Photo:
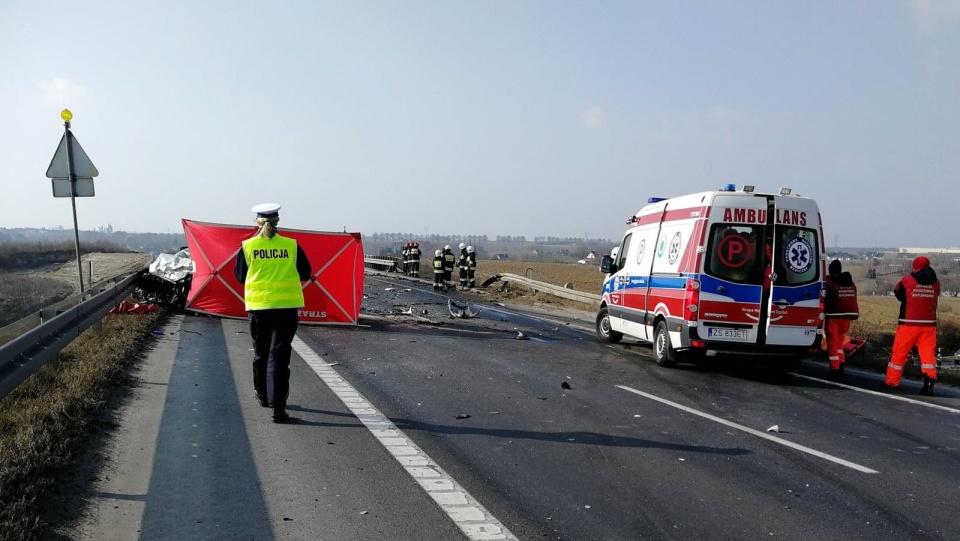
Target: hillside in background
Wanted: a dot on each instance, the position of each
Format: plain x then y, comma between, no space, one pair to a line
151,243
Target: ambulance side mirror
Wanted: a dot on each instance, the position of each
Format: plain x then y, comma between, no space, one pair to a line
607,265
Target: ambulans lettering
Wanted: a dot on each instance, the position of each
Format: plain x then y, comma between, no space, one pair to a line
273,253
791,217
759,216
745,216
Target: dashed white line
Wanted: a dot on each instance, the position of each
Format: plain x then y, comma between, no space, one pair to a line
466,512
756,433
878,393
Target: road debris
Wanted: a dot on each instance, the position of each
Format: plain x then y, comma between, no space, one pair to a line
774,428
521,336
565,385
461,310
463,416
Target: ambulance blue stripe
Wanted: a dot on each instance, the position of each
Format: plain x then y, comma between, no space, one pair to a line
737,292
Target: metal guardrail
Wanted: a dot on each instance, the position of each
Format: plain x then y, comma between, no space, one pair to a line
380,263
559,291
24,355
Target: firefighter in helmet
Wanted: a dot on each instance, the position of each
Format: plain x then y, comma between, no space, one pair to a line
471,267
415,260
437,270
462,265
448,263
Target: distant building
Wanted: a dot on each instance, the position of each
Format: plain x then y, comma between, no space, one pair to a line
929,250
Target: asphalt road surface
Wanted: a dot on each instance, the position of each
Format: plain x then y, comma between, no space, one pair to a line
513,425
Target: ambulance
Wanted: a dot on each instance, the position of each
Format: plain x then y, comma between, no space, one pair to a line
722,272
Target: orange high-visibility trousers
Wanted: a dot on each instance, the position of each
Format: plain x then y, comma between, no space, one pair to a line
925,338
836,330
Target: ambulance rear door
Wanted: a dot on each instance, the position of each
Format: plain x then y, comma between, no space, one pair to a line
732,274
797,277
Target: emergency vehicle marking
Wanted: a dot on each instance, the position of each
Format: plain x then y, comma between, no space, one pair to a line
735,251
640,249
674,248
673,215
799,255
759,216
663,244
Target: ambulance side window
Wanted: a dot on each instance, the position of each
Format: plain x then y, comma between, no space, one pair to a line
622,255
797,260
732,253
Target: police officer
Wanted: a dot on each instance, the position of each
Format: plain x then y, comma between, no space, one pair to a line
437,270
415,260
918,293
271,267
462,264
471,267
840,308
448,262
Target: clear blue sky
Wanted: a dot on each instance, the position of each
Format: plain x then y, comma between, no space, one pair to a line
496,117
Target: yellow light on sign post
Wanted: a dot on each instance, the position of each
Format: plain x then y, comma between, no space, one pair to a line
66,115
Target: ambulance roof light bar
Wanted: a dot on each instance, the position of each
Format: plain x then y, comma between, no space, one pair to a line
655,199
729,188
748,188
785,191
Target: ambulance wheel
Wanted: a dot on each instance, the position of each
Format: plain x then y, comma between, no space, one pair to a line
662,351
604,332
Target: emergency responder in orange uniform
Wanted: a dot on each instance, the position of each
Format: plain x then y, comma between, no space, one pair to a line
271,267
918,293
462,264
448,263
437,270
840,308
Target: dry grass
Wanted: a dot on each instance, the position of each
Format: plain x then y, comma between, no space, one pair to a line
46,419
587,278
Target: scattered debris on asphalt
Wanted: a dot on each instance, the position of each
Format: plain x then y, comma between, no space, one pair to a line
565,385
463,416
774,428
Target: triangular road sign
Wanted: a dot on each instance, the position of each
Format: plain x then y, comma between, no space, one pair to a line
82,166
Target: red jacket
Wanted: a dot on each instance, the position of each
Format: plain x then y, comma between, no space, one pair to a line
918,293
841,299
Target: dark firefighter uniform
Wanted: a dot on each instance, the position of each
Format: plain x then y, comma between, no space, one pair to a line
448,264
462,264
437,270
415,260
918,293
405,254
471,267
271,270
840,308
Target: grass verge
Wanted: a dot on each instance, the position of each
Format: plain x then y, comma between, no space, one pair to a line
45,422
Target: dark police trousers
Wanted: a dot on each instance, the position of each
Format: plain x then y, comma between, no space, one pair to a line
273,331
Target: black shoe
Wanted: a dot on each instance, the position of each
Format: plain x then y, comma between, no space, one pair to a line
263,401
280,416
890,388
927,386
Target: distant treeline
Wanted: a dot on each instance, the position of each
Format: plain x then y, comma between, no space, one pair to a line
149,243
26,256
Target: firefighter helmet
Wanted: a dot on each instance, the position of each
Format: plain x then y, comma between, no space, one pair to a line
462,246
469,249
438,253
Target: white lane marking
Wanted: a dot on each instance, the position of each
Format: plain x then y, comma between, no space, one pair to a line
465,511
878,393
749,430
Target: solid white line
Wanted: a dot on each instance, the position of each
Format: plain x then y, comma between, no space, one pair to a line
878,393
757,433
465,511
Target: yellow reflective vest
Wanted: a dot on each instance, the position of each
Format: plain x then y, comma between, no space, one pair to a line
272,278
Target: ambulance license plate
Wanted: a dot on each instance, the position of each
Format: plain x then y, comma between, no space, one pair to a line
727,334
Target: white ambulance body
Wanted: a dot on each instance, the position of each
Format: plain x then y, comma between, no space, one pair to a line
718,272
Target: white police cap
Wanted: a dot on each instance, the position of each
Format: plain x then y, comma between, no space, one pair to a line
267,210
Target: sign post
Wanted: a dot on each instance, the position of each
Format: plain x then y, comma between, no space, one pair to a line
72,173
